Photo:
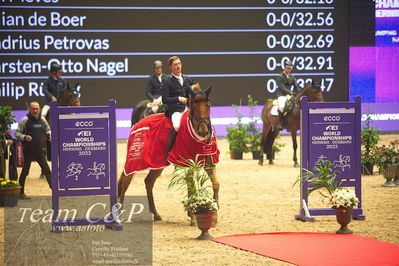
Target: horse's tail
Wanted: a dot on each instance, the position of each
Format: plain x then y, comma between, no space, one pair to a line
138,110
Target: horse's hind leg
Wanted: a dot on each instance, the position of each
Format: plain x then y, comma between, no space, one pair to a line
149,185
295,146
271,139
263,142
123,184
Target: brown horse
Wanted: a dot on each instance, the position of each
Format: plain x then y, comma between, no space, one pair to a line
291,122
67,97
200,118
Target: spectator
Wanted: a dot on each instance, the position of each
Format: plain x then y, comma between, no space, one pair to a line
33,130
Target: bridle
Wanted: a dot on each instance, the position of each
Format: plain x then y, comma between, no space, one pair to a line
198,121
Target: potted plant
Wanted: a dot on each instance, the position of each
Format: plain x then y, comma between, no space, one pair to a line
370,137
198,201
387,161
238,141
343,200
253,132
237,137
6,119
9,192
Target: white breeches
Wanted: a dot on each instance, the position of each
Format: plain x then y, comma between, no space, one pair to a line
281,102
176,117
45,110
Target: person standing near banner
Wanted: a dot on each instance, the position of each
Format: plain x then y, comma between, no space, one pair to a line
175,96
33,130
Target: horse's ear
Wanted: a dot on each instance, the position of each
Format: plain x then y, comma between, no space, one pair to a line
208,91
191,91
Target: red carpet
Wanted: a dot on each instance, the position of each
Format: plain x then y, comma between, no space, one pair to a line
317,248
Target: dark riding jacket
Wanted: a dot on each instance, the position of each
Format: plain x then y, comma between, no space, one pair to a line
52,88
172,90
284,84
154,88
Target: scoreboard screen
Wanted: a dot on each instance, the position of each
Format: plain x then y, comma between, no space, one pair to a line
108,47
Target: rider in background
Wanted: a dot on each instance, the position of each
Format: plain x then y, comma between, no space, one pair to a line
175,96
53,86
285,82
153,89
154,85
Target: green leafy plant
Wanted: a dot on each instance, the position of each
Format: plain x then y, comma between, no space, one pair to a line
5,183
191,176
238,139
277,146
370,138
323,179
6,119
238,135
254,136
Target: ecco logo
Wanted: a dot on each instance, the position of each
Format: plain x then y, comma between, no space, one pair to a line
332,118
84,123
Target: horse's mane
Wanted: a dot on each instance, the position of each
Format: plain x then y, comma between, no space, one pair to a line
196,87
308,86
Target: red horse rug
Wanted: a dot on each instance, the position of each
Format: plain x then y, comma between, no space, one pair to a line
148,142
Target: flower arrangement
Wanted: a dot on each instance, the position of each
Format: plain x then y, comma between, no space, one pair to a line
324,178
344,198
192,176
8,183
200,203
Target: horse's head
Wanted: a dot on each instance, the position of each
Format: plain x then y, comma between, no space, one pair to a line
67,97
312,91
200,110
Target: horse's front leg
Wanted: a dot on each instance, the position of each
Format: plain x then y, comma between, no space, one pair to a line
149,185
295,146
211,171
123,184
189,178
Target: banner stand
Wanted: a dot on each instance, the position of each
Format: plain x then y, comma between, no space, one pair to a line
84,160
331,131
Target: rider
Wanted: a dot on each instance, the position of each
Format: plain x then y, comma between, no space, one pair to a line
53,86
284,91
153,89
175,96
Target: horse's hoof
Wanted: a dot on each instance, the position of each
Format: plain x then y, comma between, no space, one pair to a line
271,162
260,163
157,218
296,165
214,219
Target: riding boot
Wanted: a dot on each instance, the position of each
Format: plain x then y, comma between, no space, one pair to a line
280,119
171,141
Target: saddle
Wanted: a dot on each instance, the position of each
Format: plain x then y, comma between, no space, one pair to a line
289,106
